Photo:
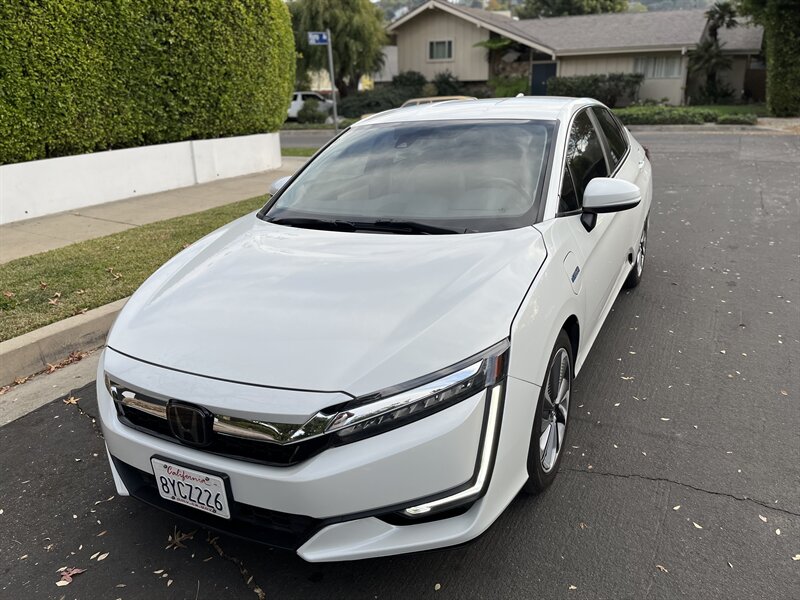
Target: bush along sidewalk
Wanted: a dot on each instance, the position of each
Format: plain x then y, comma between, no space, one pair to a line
48,287
680,115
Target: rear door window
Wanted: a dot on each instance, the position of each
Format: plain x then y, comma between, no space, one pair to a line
617,140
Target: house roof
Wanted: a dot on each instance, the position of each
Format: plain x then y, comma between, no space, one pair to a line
602,33
618,31
745,37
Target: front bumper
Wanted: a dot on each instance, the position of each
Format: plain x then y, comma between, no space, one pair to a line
335,505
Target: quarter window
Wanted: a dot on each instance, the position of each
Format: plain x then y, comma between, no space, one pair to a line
440,50
617,140
585,160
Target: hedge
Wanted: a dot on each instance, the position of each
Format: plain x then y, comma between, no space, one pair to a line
605,88
675,115
79,76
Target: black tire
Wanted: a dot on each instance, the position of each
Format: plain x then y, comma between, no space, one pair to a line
543,466
637,269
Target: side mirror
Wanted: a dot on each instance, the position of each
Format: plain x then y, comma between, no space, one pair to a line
606,195
278,185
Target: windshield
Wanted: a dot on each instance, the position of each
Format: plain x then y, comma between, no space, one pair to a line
448,176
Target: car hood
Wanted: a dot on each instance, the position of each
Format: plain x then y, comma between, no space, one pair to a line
279,306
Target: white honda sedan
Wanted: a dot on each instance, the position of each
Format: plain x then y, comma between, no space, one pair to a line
382,358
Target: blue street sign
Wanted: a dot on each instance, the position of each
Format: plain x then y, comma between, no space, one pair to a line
317,38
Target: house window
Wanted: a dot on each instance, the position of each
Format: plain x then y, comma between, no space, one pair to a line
658,67
440,50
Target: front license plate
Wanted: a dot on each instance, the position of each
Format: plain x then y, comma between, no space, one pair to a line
193,488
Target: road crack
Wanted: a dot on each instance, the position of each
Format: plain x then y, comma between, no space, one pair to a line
246,576
71,400
685,485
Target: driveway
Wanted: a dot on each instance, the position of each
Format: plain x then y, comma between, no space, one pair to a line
681,477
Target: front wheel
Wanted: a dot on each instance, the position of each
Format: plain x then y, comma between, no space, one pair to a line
551,419
635,276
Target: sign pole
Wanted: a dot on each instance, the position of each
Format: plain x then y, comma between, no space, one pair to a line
333,82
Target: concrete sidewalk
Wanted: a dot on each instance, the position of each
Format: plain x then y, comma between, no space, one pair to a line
33,236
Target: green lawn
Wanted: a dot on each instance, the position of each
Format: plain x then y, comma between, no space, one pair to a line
44,288
298,151
759,110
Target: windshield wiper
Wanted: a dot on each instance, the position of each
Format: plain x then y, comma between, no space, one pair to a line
399,226
386,225
312,223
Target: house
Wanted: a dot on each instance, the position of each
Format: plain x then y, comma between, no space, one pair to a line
438,36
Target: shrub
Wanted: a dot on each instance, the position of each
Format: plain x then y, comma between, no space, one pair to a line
608,89
508,87
738,119
310,112
659,115
447,84
372,101
79,76
411,80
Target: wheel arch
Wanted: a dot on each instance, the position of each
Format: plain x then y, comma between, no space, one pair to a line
573,329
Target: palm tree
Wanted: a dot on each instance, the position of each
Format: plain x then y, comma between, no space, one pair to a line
708,56
722,14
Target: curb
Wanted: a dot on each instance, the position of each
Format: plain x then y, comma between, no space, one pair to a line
33,351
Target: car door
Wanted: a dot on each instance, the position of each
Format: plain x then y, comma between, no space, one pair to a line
627,161
600,255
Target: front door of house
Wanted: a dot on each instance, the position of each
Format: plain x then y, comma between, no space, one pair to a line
540,73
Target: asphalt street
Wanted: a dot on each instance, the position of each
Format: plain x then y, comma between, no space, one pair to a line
682,477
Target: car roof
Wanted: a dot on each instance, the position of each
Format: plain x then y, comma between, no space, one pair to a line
546,108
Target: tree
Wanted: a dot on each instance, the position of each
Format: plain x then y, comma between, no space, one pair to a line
708,57
722,14
781,22
358,38
533,9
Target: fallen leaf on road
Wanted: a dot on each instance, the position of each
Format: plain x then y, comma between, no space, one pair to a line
101,534
103,556
93,556
730,565
437,587
777,532
662,569
573,587
676,507
169,582
177,538
626,378
796,557
71,400
665,418
696,525
67,573
784,393
763,518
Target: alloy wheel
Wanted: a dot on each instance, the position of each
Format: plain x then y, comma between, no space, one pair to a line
555,409
642,251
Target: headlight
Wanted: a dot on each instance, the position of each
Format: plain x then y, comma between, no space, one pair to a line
400,405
